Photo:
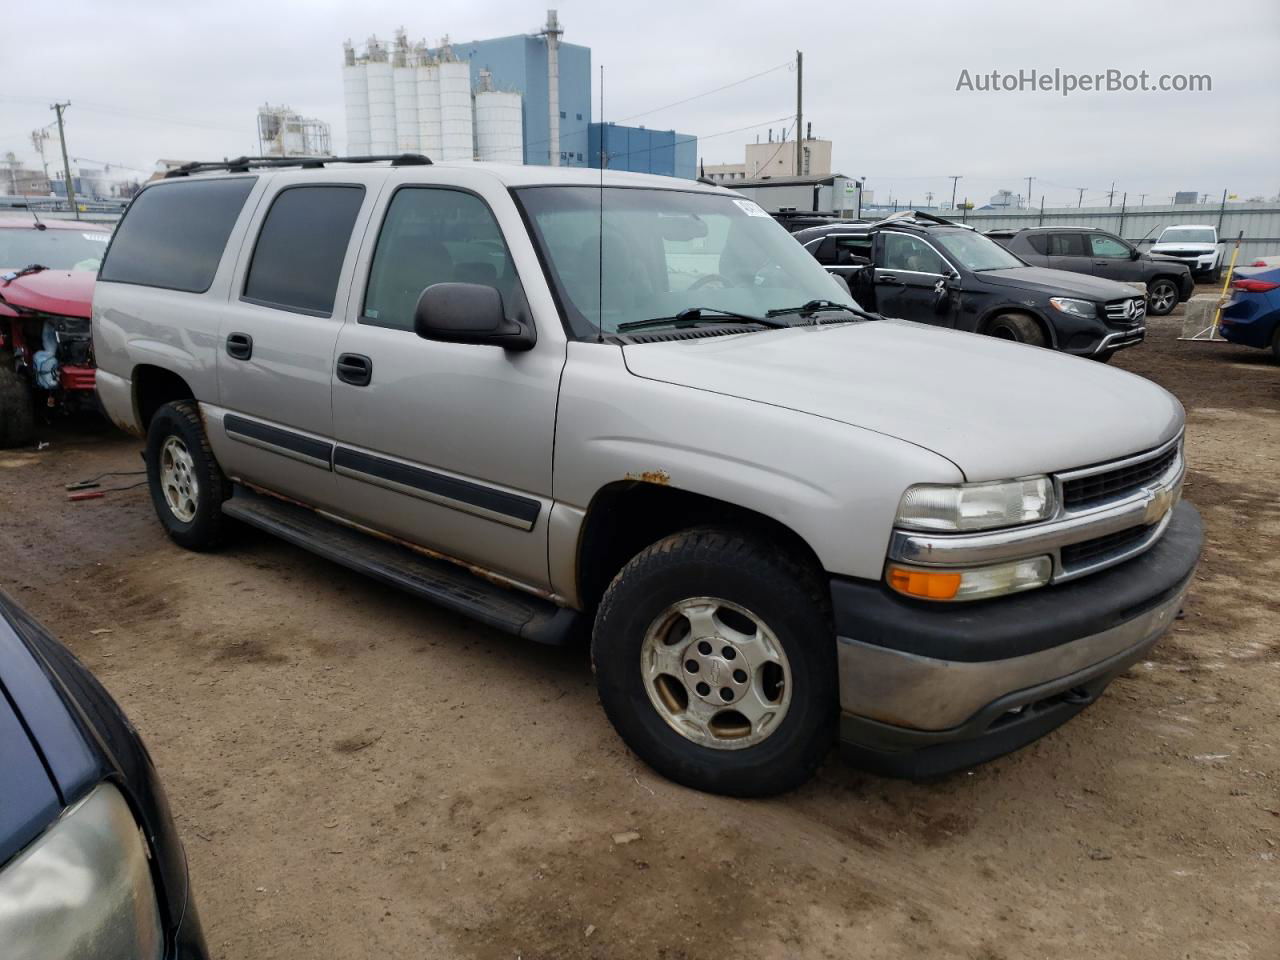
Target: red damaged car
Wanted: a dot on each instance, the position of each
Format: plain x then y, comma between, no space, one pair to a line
47,272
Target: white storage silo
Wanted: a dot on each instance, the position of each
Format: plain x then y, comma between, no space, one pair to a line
382,107
405,80
429,141
355,96
455,111
499,127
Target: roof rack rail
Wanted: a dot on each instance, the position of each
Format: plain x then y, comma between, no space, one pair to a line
245,164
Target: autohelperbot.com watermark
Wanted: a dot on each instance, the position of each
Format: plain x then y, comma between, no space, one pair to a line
1065,82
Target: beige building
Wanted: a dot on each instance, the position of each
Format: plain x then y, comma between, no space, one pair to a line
778,159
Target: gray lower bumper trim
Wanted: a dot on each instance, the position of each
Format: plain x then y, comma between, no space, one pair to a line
908,690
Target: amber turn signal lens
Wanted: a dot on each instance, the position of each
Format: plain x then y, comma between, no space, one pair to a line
922,583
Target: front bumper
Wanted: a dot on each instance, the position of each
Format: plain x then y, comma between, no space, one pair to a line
928,688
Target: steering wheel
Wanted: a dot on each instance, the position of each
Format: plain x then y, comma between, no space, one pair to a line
706,281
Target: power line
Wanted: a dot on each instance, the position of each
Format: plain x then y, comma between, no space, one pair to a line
699,96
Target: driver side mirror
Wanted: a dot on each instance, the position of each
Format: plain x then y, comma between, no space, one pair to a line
468,313
1135,254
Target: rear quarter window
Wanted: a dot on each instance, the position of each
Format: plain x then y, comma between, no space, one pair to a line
173,235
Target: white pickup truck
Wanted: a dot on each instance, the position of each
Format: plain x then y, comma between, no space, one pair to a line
635,408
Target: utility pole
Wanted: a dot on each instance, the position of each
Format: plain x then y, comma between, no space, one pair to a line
954,181
1111,194
1029,179
66,164
799,111
1080,198
1142,197
928,198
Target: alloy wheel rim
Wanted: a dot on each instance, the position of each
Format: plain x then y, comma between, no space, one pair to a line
716,673
178,479
1162,298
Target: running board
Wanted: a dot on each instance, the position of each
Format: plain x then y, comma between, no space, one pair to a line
439,581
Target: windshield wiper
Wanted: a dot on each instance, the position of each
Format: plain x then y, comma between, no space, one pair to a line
30,268
813,306
692,316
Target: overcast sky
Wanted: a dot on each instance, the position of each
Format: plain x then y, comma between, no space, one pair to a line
174,79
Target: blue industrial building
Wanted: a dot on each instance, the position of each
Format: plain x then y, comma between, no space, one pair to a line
519,63
641,150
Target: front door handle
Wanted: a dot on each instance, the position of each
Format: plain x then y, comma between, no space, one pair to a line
888,278
355,369
239,346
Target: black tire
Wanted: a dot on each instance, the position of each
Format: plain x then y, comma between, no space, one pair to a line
1216,275
757,576
1162,297
1275,344
1019,327
17,406
204,529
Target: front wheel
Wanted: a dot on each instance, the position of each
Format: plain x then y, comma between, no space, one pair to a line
187,485
1162,297
1018,327
715,662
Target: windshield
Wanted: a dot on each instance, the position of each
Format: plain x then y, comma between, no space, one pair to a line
55,249
974,251
666,251
1188,235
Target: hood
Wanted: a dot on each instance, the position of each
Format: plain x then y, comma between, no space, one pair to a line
994,408
1063,282
1174,247
66,293
1164,258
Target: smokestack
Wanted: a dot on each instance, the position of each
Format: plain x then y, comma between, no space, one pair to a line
552,32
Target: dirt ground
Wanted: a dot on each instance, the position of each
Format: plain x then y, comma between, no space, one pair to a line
356,774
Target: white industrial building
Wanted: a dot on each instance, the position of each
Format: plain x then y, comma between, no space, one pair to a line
409,99
283,133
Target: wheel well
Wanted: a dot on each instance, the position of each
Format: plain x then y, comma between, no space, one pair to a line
153,387
627,516
990,318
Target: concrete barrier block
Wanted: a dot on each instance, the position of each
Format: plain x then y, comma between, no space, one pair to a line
1197,315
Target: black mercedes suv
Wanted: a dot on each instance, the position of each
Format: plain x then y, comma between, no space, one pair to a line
1102,254
916,266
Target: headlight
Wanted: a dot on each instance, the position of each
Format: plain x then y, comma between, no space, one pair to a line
1077,308
953,508
83,890
972,583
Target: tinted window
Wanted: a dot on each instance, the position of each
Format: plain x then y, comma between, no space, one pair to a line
903,252
974,251
1067,245
301,246
174,233
1104,246
1039,242
434,236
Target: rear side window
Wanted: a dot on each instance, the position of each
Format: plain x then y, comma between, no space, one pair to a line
1039,242
1067,245
173,235
301,246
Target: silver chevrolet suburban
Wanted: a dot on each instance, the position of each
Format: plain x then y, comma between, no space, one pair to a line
634,407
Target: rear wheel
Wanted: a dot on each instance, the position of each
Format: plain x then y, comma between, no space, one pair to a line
1019,327
17,406
1275,344
1162,297
187,485
715,661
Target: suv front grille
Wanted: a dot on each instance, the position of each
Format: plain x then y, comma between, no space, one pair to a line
1084,491
1125,313
1087,551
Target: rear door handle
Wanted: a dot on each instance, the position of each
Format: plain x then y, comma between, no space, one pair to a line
355,369
239,346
